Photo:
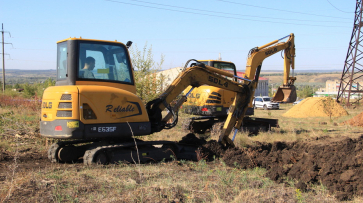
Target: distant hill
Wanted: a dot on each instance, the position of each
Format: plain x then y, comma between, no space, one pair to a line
304,77
13,76
301,71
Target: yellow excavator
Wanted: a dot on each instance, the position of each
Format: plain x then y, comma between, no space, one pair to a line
95,110
286,93
210,106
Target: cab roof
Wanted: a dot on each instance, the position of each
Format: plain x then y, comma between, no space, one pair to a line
93,40
217,61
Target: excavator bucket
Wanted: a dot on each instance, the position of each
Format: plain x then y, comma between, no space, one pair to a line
286,94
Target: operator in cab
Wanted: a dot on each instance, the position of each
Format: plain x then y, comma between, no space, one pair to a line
89,65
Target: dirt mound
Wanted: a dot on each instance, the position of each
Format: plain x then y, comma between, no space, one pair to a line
356,120
316,107
336,163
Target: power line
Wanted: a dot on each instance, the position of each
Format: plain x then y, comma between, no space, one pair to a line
234,14
275,9
228,17
336,7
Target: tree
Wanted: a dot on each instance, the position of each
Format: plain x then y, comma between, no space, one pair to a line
29,90
48,82
16,86
148,85
306,91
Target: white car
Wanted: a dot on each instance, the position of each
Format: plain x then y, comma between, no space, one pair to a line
265,103
296,102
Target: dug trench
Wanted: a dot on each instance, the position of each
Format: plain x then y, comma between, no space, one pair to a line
334,162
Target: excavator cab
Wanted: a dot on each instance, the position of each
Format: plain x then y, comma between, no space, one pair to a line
111,62
102,105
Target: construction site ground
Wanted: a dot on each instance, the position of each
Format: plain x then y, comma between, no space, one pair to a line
310,159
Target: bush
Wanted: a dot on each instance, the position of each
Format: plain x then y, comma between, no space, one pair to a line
148,86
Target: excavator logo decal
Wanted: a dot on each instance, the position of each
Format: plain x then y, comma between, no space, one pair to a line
128,108
217,81
271,51
191,95
47,105
131,107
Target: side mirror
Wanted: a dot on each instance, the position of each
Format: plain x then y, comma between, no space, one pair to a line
128,44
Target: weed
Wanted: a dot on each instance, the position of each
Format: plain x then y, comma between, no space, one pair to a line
54,176
202,165
57,194
192,165
290,181
4,145
182,161
324,189
298,195
227,177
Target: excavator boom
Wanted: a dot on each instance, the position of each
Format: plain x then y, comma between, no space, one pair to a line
196,76
287,92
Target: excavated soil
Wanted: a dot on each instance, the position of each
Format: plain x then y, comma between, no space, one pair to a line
316,107
334,162
356,121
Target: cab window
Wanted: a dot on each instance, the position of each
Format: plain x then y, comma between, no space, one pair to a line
225,66
228,67
62,61
104,62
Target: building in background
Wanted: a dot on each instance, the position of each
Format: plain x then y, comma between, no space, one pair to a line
262,87
168,76
332,87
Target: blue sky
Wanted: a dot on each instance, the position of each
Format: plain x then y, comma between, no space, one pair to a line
181,30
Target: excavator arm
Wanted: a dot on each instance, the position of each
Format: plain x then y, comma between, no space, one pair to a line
206,75
196,76
253,69
287,92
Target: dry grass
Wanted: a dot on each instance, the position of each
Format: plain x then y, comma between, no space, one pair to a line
294,129
162,182
31,178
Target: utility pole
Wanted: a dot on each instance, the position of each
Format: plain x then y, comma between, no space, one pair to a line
3,53
349,86
2,31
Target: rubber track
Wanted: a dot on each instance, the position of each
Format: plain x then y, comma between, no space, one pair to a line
89,154
54,148
52,152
